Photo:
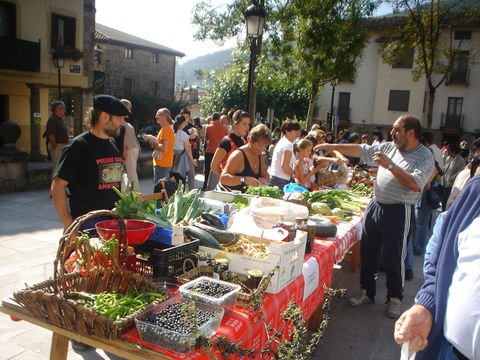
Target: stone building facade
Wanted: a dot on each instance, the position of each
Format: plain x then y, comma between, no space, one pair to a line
126,65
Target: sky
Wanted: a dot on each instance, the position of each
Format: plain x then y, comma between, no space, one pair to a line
164,22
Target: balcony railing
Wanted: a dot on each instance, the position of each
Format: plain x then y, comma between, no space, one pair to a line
458,77
450,122
22,55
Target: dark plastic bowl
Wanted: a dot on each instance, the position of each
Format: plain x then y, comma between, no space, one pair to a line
138,231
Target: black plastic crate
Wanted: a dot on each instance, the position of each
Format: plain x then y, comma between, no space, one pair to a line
166,261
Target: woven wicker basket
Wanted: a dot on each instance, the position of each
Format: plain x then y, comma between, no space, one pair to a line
47,300
326,178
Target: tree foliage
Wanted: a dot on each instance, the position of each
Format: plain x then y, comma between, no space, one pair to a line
228,90
144,107
428,28
316,41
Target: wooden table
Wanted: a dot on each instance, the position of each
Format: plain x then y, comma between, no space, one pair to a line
235,325
61,336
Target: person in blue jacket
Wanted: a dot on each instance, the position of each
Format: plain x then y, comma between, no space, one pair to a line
444,323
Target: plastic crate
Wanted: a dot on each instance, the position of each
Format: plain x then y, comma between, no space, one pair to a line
159,260
226,301
172,339
162,235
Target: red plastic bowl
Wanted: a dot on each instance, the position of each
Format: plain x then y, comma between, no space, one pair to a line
138,231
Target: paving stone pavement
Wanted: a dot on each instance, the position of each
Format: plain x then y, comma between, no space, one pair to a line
29,234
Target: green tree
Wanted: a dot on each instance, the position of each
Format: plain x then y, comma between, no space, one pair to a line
428,28
317,41
228,90
144,107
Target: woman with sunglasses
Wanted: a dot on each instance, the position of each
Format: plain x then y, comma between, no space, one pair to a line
236,139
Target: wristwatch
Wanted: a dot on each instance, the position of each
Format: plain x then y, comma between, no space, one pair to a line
242,180
390,166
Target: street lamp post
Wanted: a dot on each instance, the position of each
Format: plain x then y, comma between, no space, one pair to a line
58,59
334,83
255,19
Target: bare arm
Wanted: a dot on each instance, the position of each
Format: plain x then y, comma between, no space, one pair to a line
52,140
302,178
346,149
264,176
218,157
404,177
59,198
286,156
188,150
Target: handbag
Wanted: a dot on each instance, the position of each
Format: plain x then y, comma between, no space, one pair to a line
177,157
433,200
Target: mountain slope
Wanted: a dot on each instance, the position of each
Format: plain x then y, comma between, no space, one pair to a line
185,73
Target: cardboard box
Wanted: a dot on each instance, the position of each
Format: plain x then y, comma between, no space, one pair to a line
288,255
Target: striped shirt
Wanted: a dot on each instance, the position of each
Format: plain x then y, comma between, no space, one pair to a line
418,162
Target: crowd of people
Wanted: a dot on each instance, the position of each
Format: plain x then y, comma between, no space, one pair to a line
414,177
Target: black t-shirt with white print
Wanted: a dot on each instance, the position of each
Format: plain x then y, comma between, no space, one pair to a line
92,167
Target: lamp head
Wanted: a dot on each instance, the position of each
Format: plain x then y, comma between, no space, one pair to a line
255,19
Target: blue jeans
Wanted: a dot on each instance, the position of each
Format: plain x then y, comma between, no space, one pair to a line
160,173
446,351
423,218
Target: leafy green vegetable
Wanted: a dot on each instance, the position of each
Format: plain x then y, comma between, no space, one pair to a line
320,208
240,202
265,191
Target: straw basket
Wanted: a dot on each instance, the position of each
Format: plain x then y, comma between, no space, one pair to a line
326,178
47,300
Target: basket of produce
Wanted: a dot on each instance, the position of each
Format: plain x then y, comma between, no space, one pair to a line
97,297
326,178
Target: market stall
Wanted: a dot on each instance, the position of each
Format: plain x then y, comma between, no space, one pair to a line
304,285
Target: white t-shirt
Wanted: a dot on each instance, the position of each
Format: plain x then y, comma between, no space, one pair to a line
276,167
180,137
462,318
438,155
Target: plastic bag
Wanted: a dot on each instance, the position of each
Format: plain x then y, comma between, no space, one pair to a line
291,187
266,212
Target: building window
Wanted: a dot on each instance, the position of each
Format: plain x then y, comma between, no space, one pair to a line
98,51
463,35
406,62
8,20
128,53
63,30
127,87
460,68
154,57
3,108
154,88
454,112
398,100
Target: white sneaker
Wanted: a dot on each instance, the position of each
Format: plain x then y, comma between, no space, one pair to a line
393,310
360,299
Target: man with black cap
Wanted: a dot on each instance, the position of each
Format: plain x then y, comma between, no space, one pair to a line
91,165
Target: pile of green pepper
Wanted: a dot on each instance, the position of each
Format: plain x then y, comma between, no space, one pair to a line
116,306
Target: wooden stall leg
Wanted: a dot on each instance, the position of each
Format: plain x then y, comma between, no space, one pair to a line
59,349
355,259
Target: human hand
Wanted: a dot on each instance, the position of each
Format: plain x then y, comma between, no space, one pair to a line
381,159
320,147
251,181
414,325
263,181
